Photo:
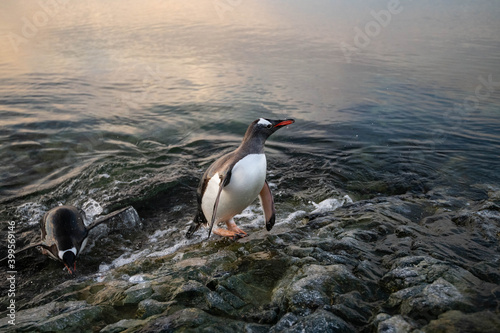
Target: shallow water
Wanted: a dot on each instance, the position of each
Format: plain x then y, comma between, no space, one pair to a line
105,104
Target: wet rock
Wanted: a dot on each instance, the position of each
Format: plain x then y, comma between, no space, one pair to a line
150,307
195,320
287,321
416,270
164,287
456,321
485,221
299,252
71,290
396,324
369,271
111,293
29,317
263,314
192,293
229,297
217,304
74,316
380,318
329,258
137,293
314,286
398,264
123,325
321,321
255,276
352,308
428,301
191,262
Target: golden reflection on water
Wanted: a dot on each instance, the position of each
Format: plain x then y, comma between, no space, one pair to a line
157,47
134,54
26,24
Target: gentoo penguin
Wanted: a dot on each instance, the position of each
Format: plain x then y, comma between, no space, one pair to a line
64,235
233,182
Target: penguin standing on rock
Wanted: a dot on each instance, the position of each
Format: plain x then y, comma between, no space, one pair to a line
233,182
64,235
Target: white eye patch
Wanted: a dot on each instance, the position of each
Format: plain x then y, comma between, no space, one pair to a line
264,122
61,253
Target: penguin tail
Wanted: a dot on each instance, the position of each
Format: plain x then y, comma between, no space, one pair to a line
197,222
192,229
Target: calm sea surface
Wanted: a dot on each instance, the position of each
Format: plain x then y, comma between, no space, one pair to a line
109,103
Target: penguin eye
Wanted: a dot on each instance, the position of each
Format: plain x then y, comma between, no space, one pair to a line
269,125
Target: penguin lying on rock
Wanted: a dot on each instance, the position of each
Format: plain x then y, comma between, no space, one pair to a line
64,235
233,182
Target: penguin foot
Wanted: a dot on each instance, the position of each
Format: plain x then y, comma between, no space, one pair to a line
229,233
231,226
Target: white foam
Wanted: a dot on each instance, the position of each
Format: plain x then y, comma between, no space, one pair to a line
172,249
133,181
136,278
177,235
124,259
250,213
488,214
30,212
91,208
250,217
331,204
159,233
104,268
292,217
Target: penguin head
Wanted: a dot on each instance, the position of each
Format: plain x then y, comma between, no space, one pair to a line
68,257
262,128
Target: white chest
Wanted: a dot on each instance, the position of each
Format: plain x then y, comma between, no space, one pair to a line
247,179
248,176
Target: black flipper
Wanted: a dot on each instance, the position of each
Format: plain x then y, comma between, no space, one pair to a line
105,218
193,227
198,220
223,182
267,203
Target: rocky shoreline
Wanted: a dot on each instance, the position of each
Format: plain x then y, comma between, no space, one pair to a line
408,263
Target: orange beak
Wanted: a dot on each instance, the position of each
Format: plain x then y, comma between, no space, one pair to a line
284,123
71,271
